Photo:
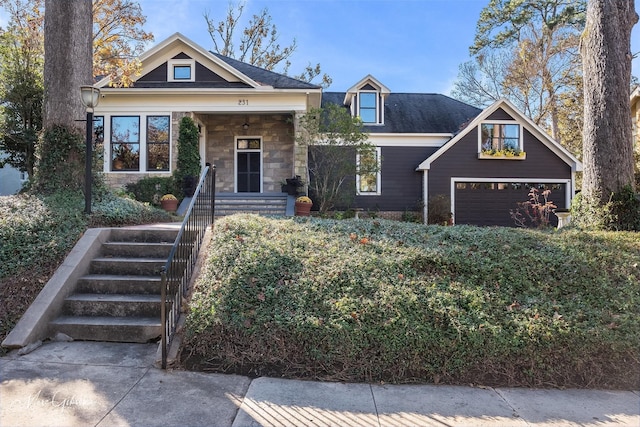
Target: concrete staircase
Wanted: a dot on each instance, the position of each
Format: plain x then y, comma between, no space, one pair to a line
257,203
119,299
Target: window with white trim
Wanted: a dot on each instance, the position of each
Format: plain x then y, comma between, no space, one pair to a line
368,177
138,143
500,138
158,143
125,143
368,107
181,70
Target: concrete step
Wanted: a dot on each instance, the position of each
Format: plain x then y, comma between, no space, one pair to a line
127,266
159,235
118,284
112,329
137,249
118,305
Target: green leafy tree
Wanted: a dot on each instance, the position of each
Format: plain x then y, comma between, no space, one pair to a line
21,84
334,138
188,164
258,43
527,51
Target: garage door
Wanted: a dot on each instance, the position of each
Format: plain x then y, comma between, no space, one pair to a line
489,203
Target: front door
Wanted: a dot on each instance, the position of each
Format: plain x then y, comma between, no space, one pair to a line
248,165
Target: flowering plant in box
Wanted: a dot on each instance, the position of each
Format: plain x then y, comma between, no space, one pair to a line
168,197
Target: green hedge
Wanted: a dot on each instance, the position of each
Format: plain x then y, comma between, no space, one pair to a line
363,300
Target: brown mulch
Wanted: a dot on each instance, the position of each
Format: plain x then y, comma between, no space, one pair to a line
16,295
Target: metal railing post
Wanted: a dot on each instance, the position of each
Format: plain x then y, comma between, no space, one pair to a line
163,315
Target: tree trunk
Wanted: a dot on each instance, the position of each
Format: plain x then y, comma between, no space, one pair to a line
68,57
606,59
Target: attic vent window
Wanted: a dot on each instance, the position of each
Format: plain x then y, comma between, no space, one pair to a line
181,70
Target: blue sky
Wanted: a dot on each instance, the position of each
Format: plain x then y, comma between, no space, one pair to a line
408,45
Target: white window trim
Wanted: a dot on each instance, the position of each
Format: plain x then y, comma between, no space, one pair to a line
106,145
181,62
379,110
501,122
378,191
235,159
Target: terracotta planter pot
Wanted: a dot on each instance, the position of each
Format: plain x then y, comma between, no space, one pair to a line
303,209
169,205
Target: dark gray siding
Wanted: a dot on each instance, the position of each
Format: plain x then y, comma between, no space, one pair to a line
401,184
461,160
158,74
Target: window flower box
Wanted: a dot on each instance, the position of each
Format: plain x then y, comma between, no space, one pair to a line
502,154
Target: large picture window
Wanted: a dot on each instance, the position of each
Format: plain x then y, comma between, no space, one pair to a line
158,143
125,143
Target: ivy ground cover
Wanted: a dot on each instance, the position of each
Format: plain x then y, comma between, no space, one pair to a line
376,300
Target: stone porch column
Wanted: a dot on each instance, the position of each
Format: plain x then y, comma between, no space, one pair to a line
300,152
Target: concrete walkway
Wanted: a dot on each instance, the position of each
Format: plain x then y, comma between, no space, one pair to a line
112,384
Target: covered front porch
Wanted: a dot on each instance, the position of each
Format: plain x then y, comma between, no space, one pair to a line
253,152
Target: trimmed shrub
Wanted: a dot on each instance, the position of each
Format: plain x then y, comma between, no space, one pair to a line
151,189
188,165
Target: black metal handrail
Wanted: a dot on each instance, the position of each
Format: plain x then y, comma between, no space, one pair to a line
176,274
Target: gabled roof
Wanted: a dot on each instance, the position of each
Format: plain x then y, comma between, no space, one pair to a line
367,83
510,109
225,72
262,76
416,113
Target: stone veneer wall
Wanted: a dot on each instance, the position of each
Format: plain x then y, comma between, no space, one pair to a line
276,131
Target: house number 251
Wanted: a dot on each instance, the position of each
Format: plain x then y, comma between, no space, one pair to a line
243,102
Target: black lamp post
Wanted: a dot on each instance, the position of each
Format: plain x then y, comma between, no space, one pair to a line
90,98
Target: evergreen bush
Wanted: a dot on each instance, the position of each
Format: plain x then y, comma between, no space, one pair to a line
188,164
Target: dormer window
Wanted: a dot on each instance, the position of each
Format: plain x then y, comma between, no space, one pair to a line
366,100
368,110
181,70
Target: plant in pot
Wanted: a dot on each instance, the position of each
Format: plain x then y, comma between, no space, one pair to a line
303,206
293,185
169,202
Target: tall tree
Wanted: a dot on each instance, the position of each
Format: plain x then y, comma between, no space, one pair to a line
21,90
118,39
257,44
606,59
68,64
536,42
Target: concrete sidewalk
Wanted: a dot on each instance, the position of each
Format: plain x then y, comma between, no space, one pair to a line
112,384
